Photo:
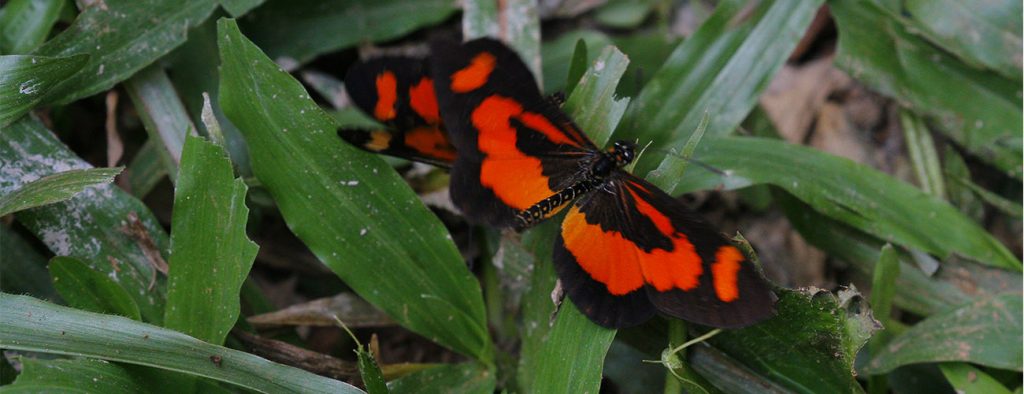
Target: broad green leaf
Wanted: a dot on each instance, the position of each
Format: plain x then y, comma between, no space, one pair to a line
568,355
351,209
820,334
849,192
295,31
984,332
624,14
24,24
24,80
121,37
452,378
32,325
984,33
967,379
979,110
210,254
87,289
647,52
95,376
721,70
22,268
54,188
577,66
104,226
730,375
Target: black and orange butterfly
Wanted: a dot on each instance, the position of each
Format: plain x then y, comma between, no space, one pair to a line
626,249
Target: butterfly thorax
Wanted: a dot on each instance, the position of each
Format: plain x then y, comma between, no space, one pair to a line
619,154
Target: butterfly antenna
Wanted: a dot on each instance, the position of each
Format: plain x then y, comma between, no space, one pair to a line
699,163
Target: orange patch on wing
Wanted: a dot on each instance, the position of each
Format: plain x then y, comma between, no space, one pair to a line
431,141
387,95
606,256
514,177
724,270
474,75
540,123
379,140
680,268
424,101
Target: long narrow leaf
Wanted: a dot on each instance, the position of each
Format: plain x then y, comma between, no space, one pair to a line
32,325
25,80
55,188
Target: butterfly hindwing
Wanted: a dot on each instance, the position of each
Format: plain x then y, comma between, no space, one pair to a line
515,147
398,92
631,238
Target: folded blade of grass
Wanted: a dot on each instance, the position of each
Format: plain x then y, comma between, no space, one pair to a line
977,109
89,375
87,289
293,32
121,37
923,157
26,23
239,7
451,378
146,169
965,378
720,70
162,113
955,283
984,34
854,194
820,332
32,325
985,332
23,269
543,365
359,217
883,289
210,254
25,80
558,56
96,225
55,188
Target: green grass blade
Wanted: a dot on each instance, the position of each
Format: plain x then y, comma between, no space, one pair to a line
239,7
104,226
852,193
883,290
923,157
720,70
967,379
55,188
210,255
25,80
979,110
984,332
87,289
146,169
593,104
121,37
162,114
820,334
573,355
577,66
32,325
26,23
296,31
349,207
452,378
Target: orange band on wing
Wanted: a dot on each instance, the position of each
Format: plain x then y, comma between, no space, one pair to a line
680,268
724,270
475,74
540,123
606,256
424,101
387,94
430,141
514,177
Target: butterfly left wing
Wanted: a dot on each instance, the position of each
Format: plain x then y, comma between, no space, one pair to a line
398,92
629,249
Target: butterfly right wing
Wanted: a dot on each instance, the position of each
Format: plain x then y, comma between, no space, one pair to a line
515,147
398,92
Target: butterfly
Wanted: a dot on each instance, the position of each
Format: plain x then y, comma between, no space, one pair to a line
626,249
